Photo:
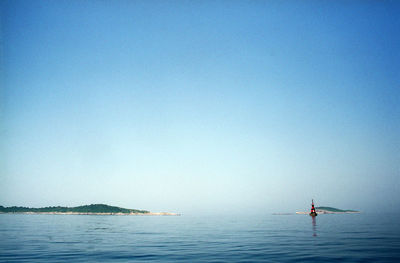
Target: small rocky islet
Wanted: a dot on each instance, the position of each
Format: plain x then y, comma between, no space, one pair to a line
330,210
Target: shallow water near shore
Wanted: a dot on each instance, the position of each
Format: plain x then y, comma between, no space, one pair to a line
186,238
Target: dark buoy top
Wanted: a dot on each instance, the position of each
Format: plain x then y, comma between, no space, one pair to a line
313,213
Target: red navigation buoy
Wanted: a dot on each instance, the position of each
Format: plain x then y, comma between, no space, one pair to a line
313,212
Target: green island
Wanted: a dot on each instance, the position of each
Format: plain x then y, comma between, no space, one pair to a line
328,209
93,209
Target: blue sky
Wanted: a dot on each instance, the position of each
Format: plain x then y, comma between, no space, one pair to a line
200,106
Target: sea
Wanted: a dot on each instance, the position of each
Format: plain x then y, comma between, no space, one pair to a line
204,238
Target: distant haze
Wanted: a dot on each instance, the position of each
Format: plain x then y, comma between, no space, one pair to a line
200,106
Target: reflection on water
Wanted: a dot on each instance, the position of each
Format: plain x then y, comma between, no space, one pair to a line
314,226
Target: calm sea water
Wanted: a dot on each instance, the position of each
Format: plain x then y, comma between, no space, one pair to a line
230,238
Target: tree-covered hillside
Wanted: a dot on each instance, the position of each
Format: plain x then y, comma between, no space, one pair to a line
94,208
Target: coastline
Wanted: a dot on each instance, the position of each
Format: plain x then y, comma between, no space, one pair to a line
80,213
329,212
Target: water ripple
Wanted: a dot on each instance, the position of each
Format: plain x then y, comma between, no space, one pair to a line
45,238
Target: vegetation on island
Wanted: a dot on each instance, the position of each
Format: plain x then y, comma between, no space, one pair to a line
332,209
94,208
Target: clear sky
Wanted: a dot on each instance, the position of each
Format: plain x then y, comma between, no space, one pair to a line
200,106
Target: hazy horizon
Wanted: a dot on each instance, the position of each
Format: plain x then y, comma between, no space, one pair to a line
200,106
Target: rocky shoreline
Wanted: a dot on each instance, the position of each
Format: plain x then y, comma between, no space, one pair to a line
82,213
93,209
328,212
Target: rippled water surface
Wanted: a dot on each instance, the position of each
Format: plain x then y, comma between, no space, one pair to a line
268,238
